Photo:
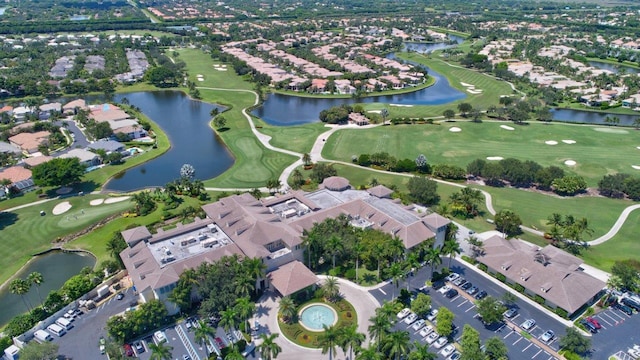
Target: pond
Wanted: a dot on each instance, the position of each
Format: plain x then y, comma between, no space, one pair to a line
422,47
589,117
615,68
79,17
186,123
56,267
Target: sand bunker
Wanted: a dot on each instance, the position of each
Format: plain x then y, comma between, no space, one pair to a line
465,84
400,105
495,158
116,199
569,141
551,142
507,127
61,208
96,202
375,111
455,129
570,163
610,130
638,147
635,167
475,92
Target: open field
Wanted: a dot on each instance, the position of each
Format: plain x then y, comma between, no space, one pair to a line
623,246
597,151
25,232
295,138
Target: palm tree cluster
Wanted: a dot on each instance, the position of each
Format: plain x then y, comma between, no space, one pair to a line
568,232
22,286
347,338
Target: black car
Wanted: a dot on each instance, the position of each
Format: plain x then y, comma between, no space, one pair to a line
481,295
631,303
437,285
451,293
624,308
589,326
466,286
120,296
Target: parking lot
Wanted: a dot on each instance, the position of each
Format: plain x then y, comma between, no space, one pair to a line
465,312
619,332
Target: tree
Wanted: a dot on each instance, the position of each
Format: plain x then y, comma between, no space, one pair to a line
306,159
495,349
202,332
161,351
490,310
448,114
219,122
214,112
36,278
421,352
423,191
451,248
297,178
470,344
328,340
34,350
322,171
162,76
384,113
465,108
379,328
268,349
273,185
421,163
58,172
421,305
20,287
234,354
432,257
115,245
228,319
351,338
575,342
569,185
508,222
331,288
509,299
287,308
626,273
444,322
144,203
187,172
397,344
396,273
245,309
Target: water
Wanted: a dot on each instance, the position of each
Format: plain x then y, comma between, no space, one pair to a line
429,47
615,68
589,117
79,17
186,123
56,267
315,316
2,10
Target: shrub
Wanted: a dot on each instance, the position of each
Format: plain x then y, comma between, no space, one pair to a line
539,299
350,274
501,277
570,355
562,312
519,288
483,267
336,272
469,259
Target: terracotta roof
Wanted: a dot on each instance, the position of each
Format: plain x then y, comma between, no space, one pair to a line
335,183
30,141
37,160
108,112
292,277
380,191
75,104
15,174
549,272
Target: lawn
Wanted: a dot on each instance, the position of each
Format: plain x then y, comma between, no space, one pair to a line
25,232
597,151
295,138
623,246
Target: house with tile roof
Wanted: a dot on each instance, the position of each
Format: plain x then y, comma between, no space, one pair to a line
29,142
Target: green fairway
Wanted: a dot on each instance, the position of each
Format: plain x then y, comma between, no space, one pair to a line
295,138
25,232
597,151
623,246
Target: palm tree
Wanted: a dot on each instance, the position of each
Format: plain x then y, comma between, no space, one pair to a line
287,308
202,332
20,287
335,245
379,328
432,257
396,274
269,350
256,268
351,338
451,248
245,309
160,351
384,113
357,249
331,288
328,340
421,352
369,354
297,178
36,278
234,354
306,159
309,241
397,344
228,319
412,263
387,310
245,284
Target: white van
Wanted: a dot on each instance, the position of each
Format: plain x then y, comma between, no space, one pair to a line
64,323
56,329
160,337
42,335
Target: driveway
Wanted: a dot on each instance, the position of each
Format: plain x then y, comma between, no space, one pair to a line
79,140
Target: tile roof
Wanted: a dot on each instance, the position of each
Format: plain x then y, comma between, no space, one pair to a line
292,277
30,141
15,174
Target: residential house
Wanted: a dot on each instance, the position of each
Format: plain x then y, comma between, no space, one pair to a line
30,142
20,113
19,179
71,108
109,146
32,161
86,157
358,119
46,110
6,147
132,132
632,101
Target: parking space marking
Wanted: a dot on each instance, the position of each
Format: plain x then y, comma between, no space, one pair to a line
534,356
471,308
506,336
501,327
605,320
382,291
464,302
525,349
515,317
455,298
517,341
618,314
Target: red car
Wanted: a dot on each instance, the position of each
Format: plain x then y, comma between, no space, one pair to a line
128,350
594,322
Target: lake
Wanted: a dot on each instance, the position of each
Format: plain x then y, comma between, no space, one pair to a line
56,267
186,123
589,117
615,68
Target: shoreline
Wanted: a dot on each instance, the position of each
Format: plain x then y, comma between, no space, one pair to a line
427,84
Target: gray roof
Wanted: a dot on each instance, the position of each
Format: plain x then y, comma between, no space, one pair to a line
292,277
380,191
82,154
106,145
336,183
5,147
549,272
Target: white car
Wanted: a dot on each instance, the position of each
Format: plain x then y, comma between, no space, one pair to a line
426,330
432,315
547,336
418,325
402,314
442,341
432,337
448,350
453,276
444,289
160,337
633,353
528,324
410,318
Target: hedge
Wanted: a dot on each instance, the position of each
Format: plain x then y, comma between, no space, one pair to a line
483,267
519,288
469,259
561,312
501,277
539,299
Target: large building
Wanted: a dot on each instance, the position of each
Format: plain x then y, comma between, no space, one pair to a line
270,229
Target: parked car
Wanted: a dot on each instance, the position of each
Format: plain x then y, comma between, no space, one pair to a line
466,286
426,330
444,289
455,356
437,285
160,337
186,357
451,293
589,326
473,290
432,315
631,303
511,313
448,350
128,350
481,295
594,322
453,276
432,337
442,341
624,308
101,344
528,324
120,296
410,318
403,313
547,336
459,281
139,347
418,324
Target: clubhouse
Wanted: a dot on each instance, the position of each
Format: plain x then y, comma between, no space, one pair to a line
270,229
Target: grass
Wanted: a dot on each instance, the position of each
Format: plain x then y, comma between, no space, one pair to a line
25,232
597,153
623,246
295,138
430,81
